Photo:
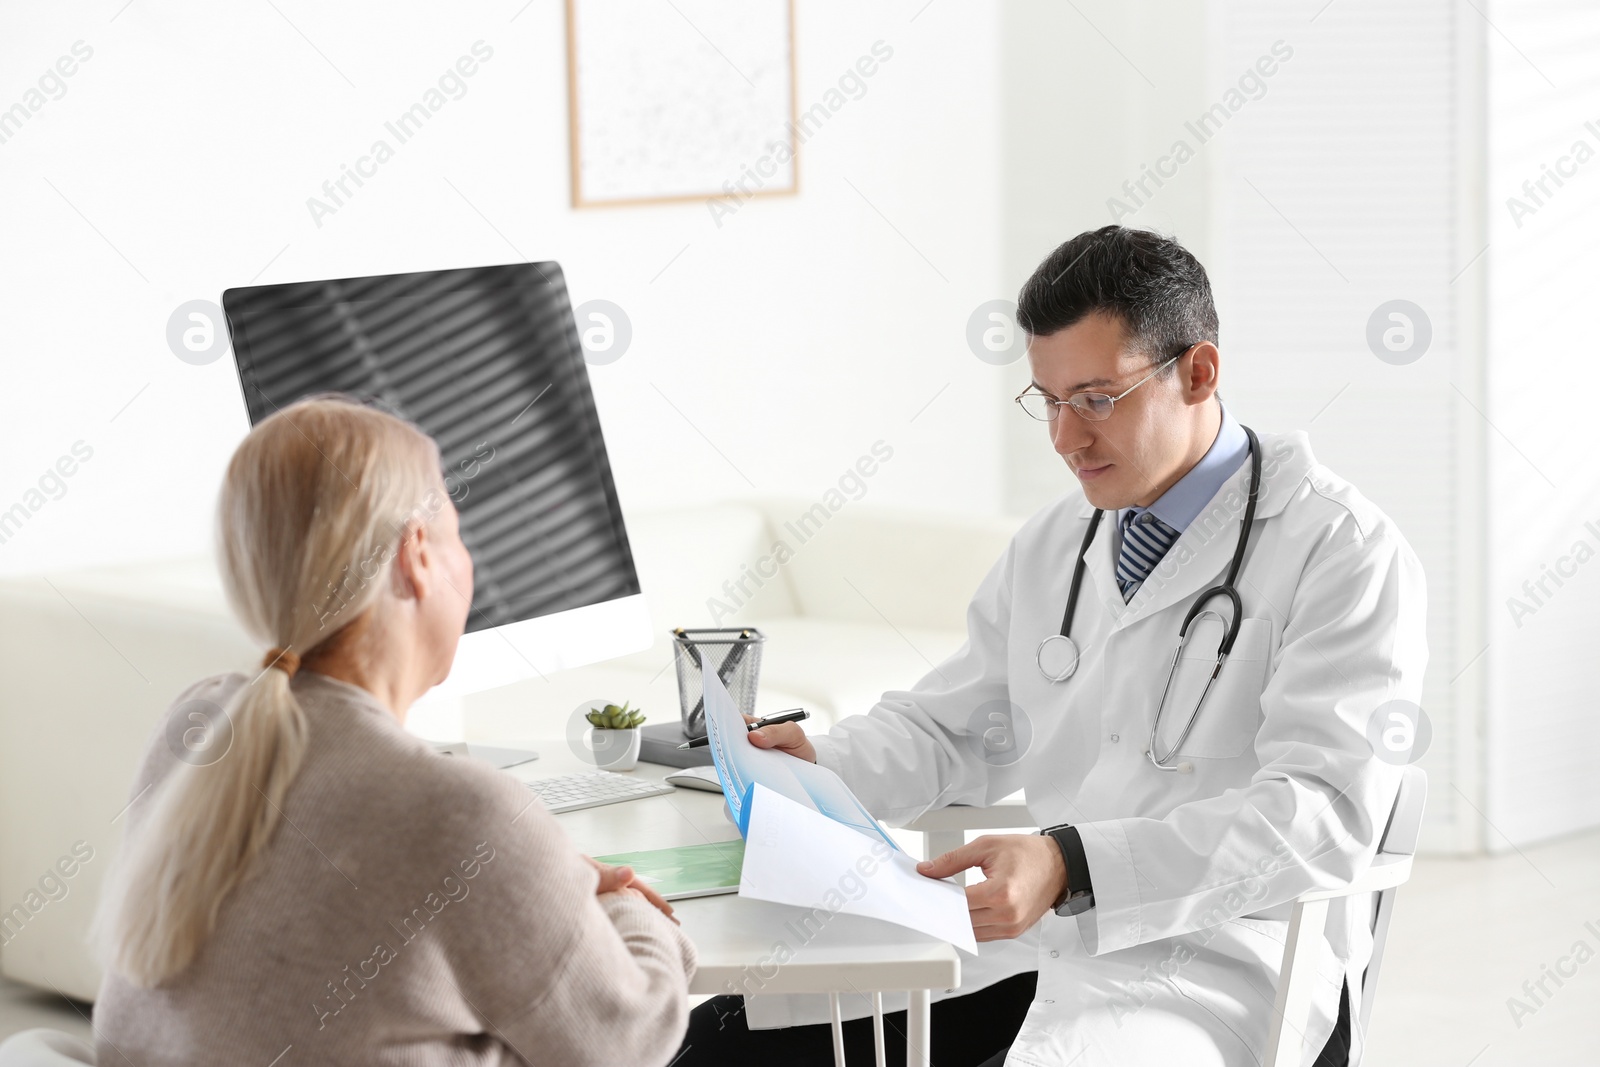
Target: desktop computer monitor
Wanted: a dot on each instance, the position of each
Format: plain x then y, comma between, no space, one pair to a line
487,361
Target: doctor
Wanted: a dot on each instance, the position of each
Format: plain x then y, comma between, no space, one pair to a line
1171,847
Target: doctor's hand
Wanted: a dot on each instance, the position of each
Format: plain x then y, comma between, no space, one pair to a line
1024,875
783,737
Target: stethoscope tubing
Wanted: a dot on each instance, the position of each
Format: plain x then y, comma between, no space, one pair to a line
1064,655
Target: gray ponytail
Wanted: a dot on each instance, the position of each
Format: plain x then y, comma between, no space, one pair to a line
312,509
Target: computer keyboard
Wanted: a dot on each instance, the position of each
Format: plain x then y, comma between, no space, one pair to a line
590,789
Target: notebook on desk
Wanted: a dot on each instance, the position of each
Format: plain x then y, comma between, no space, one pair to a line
687,871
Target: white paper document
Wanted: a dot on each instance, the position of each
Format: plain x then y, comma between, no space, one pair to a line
810,842
794,855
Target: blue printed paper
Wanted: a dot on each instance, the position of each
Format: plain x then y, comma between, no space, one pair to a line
741,766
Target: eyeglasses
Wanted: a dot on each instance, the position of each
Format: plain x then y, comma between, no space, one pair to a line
1096,407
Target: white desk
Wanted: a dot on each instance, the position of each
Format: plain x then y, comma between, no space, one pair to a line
736,938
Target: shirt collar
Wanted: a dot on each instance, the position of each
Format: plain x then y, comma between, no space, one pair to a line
1179,505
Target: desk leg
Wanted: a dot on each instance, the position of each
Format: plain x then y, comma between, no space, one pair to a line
838,1030
919,1034
879,1056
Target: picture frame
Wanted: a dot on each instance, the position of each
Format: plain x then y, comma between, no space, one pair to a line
682,101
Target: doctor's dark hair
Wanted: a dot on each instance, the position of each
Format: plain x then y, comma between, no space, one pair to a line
1151,282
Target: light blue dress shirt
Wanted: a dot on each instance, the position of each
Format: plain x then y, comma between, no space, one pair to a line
1179,505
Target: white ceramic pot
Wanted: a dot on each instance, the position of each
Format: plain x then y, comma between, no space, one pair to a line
614,750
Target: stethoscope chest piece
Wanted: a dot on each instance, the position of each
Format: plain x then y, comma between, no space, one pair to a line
1058,657
1182,767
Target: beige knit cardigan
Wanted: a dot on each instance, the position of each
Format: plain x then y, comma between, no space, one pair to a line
411,908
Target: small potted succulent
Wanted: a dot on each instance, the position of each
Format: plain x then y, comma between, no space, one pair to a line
614,738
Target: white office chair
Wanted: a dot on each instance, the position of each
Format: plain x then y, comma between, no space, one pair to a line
1390,868
44,1048
945,828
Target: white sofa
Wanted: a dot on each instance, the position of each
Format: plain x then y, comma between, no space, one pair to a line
91,659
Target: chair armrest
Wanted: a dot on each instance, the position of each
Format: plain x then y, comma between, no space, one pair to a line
1296,974
947,824
1386,872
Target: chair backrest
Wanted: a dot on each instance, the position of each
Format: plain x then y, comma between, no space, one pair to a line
1405,818
1399,839
44,1048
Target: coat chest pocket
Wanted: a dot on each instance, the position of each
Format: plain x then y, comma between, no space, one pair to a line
1231,715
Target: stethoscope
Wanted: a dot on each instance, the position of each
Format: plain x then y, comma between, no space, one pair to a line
1058,653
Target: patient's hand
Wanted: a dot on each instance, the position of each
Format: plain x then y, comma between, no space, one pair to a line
622,880
783,737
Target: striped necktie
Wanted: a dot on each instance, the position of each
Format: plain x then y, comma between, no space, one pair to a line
1145,539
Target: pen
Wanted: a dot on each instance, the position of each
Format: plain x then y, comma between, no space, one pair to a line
792,715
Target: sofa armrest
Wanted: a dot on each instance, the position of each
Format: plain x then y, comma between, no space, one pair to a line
90,669
867,564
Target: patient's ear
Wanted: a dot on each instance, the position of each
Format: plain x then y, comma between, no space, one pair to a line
414,556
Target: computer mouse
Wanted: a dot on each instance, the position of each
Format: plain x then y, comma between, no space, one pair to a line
696,778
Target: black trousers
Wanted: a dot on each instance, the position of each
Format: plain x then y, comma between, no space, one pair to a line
975,1030
966,1031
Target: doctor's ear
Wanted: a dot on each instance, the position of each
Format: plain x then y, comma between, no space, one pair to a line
1197,373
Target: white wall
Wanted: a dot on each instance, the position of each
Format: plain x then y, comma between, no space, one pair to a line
1092,91
788,340
179,161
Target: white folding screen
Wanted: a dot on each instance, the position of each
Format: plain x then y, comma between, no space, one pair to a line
1335,192
1543,262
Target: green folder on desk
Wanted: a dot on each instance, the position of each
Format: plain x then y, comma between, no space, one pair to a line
687,871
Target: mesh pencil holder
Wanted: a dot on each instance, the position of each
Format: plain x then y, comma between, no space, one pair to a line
735,654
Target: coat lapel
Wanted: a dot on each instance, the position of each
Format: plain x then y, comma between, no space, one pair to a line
1102,563
1200,556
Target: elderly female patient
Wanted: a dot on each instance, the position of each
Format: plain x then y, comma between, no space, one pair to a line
304,879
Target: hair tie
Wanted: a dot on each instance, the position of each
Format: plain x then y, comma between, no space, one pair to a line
284,659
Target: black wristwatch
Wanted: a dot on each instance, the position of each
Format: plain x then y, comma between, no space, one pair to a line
1079,896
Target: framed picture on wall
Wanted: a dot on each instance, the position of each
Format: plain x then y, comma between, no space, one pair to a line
686,100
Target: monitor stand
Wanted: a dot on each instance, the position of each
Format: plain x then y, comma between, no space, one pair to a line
441,720
438,717
495,756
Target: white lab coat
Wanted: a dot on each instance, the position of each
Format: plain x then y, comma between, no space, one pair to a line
1193,872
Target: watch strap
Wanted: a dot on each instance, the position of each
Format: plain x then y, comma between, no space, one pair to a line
1080,889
